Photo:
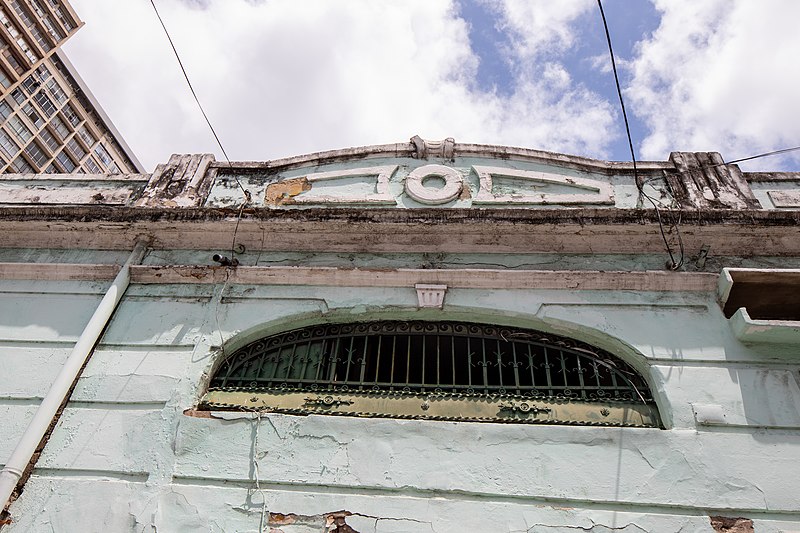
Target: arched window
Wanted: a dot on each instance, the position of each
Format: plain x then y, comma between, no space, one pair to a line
433,370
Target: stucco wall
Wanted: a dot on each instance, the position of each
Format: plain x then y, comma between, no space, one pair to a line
125,457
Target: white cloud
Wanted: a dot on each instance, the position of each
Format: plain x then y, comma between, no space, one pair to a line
282,78
538,27
720,75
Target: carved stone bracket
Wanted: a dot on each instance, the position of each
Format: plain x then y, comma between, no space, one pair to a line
183,182
425,149
703,180
430,295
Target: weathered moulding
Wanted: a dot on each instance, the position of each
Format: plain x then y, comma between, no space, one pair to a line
775,190
70,189
704,180
433,370
762,305
183,182
425,173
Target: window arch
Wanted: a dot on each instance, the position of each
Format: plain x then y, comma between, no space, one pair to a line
433,370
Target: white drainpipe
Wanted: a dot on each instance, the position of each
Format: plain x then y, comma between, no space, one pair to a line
27,444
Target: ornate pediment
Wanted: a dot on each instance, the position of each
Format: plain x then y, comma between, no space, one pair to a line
415,185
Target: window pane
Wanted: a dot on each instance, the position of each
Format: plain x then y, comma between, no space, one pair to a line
71,115
5,109
20,130
49,140
86,136
33,116
36,154
44,103
22,166
18,97
7,144
103,155
91,166
56,91
65,161
75,149
59,127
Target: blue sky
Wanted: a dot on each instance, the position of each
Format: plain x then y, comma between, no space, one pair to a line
628,21
281,78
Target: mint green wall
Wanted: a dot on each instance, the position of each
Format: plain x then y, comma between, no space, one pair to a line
125,457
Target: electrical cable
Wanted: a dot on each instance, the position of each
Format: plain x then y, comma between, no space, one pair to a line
758,156
673,265
246,193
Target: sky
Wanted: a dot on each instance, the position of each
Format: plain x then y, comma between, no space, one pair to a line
279,78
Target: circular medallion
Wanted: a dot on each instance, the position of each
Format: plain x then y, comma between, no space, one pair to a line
417,189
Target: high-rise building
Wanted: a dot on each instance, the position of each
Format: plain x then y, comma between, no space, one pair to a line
49,120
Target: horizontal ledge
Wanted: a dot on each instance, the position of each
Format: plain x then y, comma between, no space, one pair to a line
109,475
58,272
460,150
468,496
453,278
519,231
116,405
76,178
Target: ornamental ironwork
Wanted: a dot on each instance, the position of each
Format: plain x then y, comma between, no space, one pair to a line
433,370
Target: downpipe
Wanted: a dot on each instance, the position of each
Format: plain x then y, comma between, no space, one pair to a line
26,447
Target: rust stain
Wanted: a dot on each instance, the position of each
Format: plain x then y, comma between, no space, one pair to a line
282,192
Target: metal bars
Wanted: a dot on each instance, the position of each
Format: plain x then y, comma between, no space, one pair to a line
431,357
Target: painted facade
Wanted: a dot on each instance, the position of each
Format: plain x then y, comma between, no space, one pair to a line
417,231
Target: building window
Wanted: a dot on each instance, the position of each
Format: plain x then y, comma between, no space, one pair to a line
18,97
36,154
86,136
22,13
45,17
49,140
75,149
12,60
91,166
71,115
63,17
433,370
5,110
44,103
33,116
56,90
102,154
66,163
30,84
22,166
59,127
8,145
20,130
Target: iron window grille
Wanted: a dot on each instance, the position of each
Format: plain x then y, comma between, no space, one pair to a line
506,369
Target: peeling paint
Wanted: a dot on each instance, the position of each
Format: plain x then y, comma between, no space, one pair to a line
722,524
282,192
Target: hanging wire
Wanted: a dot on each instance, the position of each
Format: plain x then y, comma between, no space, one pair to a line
757,156
246,193
673,264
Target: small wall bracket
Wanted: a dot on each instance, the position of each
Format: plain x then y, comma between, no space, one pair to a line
430,295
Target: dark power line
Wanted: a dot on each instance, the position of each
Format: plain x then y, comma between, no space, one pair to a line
674,265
